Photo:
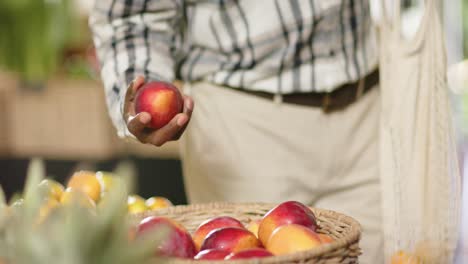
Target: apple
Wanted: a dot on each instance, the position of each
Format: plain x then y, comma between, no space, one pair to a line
178,242
211,224
212,254
325,239
232,239
253,226
161,100
292,238
249,253
290,212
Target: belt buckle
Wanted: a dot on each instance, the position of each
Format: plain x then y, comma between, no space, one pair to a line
326,103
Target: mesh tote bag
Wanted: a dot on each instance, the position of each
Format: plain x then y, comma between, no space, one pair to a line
418,159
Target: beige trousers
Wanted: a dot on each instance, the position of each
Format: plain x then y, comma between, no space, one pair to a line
242,148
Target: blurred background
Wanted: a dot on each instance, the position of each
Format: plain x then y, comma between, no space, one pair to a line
52,103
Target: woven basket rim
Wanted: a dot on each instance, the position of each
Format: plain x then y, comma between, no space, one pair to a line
351,237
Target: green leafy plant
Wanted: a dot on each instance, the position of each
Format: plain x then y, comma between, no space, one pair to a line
70,234
34,33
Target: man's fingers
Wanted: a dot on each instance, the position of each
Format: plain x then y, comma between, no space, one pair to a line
188,109
128,103
180,133
128,109
188,105
168,132
182,119
138,123
138,82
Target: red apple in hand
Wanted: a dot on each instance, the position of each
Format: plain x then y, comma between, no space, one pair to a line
177,243
161,100
212,224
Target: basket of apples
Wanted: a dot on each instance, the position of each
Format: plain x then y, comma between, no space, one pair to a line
252,233
262,233
95,207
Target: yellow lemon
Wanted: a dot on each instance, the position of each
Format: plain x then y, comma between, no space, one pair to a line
106,179
157,202
77,196
136,204
53,189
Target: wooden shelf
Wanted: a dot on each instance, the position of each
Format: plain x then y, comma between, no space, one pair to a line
66,120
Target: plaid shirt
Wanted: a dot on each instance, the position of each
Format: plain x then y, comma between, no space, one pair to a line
277,46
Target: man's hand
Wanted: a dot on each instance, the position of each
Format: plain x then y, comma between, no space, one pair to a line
137,124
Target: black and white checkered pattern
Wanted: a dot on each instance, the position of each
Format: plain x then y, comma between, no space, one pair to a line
277,46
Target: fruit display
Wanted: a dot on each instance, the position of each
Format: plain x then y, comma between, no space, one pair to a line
232,239
161,100
212,224
87,183
286,213
253,226
88,188
288,228
291,238
49,223
177,241
95,207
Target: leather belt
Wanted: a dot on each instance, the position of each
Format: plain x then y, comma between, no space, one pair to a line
335,100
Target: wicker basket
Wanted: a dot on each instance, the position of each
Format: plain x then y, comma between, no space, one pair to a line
344,229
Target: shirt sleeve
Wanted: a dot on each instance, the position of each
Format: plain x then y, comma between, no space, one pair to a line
134,37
